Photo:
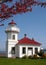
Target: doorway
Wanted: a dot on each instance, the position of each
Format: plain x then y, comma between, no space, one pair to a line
30,51
13,52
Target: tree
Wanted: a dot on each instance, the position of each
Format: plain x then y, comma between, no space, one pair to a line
21,6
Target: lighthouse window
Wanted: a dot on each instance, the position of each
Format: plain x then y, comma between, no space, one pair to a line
13,37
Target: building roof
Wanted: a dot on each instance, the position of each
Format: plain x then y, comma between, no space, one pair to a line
27,40
12,22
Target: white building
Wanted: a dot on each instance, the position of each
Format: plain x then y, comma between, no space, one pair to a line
19,48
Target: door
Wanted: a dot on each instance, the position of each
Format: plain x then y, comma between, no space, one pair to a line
13,52
30,51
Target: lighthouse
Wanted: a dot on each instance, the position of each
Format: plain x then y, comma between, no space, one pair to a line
12,39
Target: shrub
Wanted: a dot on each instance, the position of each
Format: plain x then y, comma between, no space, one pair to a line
43,56
41,53
24,57
36,56
30,57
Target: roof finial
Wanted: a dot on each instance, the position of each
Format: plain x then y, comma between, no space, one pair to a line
12,23
12,19
25,35
33,39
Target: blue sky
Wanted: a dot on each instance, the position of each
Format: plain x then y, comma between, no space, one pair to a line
32,23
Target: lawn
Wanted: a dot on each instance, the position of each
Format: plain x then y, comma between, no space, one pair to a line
7,61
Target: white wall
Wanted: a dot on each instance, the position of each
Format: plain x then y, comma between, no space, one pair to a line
10,49
9,36
10,42
17,50
20,49
9,46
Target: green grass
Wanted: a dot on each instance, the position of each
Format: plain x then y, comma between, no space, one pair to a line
7,61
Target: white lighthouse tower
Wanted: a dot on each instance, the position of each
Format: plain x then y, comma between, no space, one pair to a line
12,39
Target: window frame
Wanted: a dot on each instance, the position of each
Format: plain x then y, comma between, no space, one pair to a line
36,50
13,37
